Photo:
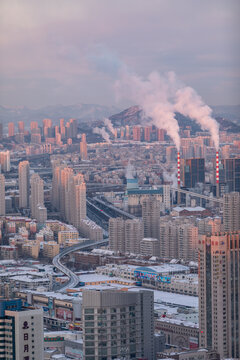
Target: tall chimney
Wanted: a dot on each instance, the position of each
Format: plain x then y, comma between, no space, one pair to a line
217,174
178,177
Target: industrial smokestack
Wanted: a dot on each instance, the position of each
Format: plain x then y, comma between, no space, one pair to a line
178,168
217,174
178,177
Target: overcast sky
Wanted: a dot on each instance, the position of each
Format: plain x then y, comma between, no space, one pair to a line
69,51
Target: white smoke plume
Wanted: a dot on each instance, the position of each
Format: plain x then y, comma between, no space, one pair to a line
161,96
102,131
108,123
152,95
190,104
172,178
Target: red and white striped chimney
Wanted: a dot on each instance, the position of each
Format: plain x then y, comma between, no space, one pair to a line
178,169
217,174
217,167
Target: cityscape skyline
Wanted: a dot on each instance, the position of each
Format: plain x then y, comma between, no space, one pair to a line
119,223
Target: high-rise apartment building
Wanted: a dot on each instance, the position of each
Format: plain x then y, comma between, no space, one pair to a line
149,247
136,133
179,238
77,200
11,131
38,210
151,217
23,180
83,147
160,134
187,242
168,237
231,174
219,296
231,211
118,324
21,331
69,194
2,195
125,235
5,161
147,133
21,127
133,235
47,128
116,230
33,125
1,131
193,172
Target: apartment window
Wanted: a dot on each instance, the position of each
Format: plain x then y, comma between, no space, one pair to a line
89,324
102,311
89,337
89,311
89,343
90,351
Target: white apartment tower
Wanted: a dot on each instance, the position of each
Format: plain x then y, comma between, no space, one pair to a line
117,234
125,235
151,217
38,210
118,324
133,235
23,179
78,200
2,195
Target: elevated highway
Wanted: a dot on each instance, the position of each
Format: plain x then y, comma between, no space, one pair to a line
200,196
117,211
73,278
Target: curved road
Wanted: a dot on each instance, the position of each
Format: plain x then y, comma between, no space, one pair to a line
73,278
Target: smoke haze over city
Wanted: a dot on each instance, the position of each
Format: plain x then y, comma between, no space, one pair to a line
69,51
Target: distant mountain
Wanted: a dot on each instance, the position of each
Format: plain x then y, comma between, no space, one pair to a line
228,112
132,116
82,112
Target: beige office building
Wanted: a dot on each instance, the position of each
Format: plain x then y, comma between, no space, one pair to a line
118,324
23,179
219,296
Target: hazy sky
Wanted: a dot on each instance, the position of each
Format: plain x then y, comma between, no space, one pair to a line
69,51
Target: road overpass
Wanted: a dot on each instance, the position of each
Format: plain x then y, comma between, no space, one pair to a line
200,196
117,211
73,278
